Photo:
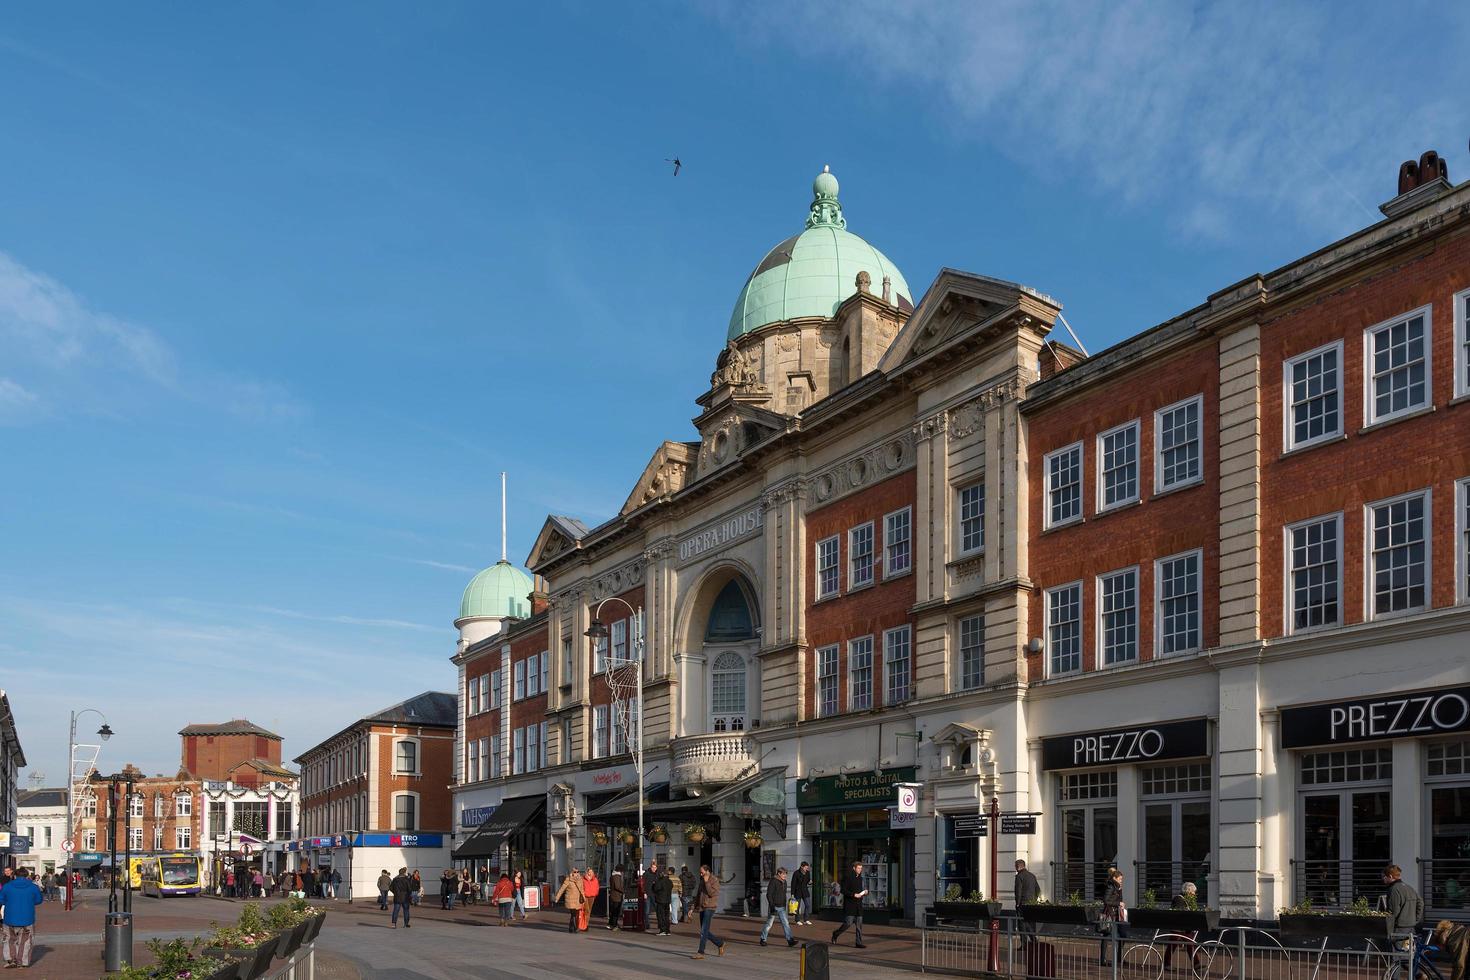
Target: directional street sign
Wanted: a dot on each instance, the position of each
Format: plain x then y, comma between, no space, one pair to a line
971,825
1017,824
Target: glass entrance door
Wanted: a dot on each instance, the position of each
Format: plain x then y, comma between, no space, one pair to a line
1345,844
1089,848
1176,848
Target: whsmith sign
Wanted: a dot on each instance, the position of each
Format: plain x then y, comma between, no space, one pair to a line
725,531
1122,746
854,791
1442,712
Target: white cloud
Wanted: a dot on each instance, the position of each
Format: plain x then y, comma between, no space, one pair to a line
65,353
1282,107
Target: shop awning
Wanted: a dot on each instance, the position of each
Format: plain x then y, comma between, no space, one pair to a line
760,796
507,818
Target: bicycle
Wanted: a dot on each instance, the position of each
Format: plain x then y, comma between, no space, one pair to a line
1208,960
1420,967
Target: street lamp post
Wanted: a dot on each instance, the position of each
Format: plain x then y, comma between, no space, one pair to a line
598,630
105,732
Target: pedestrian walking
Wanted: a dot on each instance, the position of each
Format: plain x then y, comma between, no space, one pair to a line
402,889
1113,921
448,887
776,907
661,892
336,883
615,899
706,901
466,889
1027,891
18,900
590,887
853,894
1405,907
385,882
571,892
520,884
416,886
801,890
504,897
676,896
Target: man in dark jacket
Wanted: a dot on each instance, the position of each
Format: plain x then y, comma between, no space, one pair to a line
1405,907
615,890
661,891
853,894
776,900
448,885
645,891
801,890
402,890
1027,890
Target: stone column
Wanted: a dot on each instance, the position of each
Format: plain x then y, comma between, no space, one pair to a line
1274,822
1237,855
1040,848
1407,809
1240,486
1129,782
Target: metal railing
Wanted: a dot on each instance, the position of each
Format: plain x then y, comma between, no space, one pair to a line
304,960
1089,881
1078,954
1337,884
1444,884
1166,879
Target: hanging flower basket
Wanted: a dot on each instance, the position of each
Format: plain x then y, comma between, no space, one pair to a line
658,834
628,837
599,838
694,833
753,840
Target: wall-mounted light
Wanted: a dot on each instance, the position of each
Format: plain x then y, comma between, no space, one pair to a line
1034,645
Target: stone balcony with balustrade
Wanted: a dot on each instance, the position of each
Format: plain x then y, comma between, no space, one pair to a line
702,763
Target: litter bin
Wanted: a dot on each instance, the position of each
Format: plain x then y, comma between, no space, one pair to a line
117,941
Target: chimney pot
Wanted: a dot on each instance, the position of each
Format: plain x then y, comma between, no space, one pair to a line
888,289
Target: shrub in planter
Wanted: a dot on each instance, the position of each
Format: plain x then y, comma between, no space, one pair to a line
178,959
1358,921
1175,920
252,941
1073,911
972,907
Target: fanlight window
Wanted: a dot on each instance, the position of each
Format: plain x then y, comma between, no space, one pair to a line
727,693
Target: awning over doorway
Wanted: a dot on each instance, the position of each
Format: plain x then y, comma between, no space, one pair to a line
760,796
507,818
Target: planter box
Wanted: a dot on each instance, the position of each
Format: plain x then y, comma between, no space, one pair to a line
967,911
1067,915
1175,920
1330,926
253,962
227,971
314,927
291,939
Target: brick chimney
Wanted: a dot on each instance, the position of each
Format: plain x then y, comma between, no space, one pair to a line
1419,183
1056,357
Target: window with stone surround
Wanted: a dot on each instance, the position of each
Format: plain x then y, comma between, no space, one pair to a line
184,837
1462,344
972,518
1063,485
183,804
472,699
405,811
972,652
518,671
1064,629
860,555
497,757
1314,573
1397,372
599,732
485,704
1117,602
620,641
1117,466
1177,581
898,665
897,539
518,751
406,756
860,673
827,567
827,681
566,661
1177,444
1313,388
1399,554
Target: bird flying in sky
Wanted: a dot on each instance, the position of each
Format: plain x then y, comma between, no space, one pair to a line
676,162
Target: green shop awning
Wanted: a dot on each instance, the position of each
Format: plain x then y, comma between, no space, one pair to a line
760,796
507,818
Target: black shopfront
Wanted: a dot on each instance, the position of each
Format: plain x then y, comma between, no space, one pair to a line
850,818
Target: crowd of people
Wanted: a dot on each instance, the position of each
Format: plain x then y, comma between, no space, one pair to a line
250,882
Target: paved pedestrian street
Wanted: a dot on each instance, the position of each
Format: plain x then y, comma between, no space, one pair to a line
358,941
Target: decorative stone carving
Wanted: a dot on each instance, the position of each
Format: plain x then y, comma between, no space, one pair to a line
926,429
827,336
964,420
864,282
783,492
618,580
968,416
659,550
868,466
734,368
970,567
786,343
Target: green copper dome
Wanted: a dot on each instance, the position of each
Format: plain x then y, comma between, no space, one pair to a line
500,590
813,273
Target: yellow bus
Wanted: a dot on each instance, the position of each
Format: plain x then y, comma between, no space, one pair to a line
161,875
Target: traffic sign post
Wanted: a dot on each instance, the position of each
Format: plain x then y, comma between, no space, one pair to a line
68,845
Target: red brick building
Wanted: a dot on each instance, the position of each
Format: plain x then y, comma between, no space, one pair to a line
237,750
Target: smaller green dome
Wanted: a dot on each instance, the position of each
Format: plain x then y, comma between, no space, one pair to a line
500,590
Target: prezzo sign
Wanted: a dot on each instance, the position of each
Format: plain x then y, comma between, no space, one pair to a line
723,532
1144,743
1440,712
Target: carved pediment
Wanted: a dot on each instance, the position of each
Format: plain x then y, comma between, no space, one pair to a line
671,467
558,535
962,305
731,430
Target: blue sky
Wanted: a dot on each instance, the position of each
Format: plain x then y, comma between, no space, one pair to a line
284,287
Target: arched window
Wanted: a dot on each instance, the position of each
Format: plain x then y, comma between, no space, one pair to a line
730,617
727,693
406,756
405,811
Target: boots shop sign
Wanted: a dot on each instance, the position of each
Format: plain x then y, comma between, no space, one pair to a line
1125,746
1442,712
